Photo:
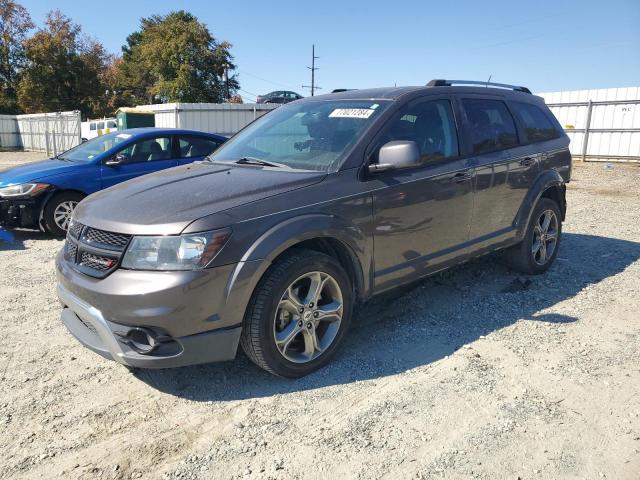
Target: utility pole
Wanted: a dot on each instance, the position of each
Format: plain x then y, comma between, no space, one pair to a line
313,69
226,81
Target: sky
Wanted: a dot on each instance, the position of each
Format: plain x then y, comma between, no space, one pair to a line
546,45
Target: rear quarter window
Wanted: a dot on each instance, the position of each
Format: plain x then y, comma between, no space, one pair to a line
537,126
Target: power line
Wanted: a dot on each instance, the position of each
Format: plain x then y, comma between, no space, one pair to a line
242,72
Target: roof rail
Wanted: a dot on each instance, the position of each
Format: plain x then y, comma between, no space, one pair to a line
449,83
338,90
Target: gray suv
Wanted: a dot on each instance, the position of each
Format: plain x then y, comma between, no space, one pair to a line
315,207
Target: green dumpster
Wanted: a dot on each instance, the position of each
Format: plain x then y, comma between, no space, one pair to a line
133,118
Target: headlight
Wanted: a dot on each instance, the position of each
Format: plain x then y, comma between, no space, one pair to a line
24,189
184,252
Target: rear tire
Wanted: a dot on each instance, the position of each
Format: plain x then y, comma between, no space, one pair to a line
298,314
539,247
58,210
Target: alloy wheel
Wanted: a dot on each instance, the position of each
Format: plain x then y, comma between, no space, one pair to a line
545,237
308,317
63,213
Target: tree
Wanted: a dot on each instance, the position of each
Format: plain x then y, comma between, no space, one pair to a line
63,69
174,58
15,22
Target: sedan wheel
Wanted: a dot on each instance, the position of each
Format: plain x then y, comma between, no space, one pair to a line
63,213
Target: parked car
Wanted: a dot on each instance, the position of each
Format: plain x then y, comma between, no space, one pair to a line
44,194
278,97
95,128
318,206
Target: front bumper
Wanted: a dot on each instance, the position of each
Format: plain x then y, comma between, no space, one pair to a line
90,328
198,313
19,213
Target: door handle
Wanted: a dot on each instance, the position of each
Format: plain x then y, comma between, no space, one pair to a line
461,177
527,161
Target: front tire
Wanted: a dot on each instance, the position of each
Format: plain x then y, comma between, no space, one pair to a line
298,314
58,211
539,248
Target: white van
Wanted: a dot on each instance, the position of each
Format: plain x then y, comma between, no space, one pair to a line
94,128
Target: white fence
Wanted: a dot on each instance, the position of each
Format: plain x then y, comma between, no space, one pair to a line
223,118
603,124
9,137
52,133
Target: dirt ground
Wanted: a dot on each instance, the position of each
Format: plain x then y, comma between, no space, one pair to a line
473,373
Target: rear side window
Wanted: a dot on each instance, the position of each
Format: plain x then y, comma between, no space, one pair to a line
537,126
491,124
431,125
193,146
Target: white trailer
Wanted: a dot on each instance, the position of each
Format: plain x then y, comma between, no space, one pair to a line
96,128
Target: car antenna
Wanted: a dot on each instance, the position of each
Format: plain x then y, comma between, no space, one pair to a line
488,80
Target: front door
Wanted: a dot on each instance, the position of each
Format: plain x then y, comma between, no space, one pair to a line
144,156
421,215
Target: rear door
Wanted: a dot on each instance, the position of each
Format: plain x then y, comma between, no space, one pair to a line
194,147
147,155
421,215
504,168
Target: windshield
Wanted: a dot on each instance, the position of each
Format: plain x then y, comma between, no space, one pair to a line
308,135
87,151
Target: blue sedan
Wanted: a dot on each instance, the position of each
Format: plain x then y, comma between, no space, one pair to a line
44,194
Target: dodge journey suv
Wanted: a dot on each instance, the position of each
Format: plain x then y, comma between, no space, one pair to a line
271,241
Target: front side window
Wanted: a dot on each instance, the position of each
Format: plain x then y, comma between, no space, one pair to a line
92,126
312,135
193,146
148,150
491,124
428,123
537,127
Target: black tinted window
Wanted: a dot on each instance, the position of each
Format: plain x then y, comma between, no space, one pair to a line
491,125
430,124
537,127
196,146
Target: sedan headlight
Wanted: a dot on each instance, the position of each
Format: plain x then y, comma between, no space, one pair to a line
24,189
183,252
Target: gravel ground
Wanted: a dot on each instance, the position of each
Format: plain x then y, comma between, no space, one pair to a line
472,373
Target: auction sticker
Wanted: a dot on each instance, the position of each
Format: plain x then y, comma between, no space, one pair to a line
351,113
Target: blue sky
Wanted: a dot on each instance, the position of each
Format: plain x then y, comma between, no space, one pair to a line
546,45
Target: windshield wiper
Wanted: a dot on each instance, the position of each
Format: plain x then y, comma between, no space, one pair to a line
257,161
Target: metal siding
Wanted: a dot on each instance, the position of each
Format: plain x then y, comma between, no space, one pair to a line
223,118
618,116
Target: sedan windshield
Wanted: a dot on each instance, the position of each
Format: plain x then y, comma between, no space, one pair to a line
87,151
312,135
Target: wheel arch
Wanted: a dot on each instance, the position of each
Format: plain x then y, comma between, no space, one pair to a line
549,184
51,194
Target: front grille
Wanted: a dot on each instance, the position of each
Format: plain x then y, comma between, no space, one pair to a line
97,262
110,240
71,250
75,229
94,252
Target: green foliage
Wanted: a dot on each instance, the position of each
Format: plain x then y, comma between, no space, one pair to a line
15,22
174,58
63,69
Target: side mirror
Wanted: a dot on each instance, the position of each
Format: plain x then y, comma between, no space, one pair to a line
396,155
116,160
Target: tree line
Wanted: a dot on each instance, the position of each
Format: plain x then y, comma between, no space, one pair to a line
57,67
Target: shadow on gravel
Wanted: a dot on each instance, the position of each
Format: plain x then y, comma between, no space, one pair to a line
422,323
14,239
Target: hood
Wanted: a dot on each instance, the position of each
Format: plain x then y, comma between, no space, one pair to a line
166,202
34,171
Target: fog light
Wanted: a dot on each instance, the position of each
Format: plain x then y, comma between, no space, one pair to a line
142,340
